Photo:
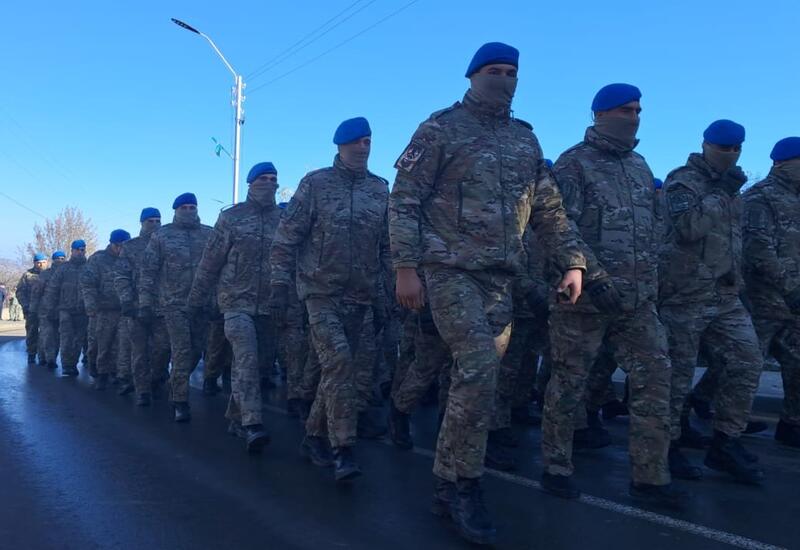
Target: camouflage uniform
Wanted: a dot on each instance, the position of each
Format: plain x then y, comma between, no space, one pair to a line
334,237
63,293
293,346
700,283
218,355
167,271
149,343
467,186
124,351
25,289
236,262
48,328
102,306
608,192
772,271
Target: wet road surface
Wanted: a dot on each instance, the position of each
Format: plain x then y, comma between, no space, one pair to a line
85,469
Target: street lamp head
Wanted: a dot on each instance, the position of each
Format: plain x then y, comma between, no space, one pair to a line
185,25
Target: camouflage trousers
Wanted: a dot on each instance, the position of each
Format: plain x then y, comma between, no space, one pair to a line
293,351
311,373
706,387
106,338
336,328
90,352
727,329
430,357
530,348
406,352
781,339
124,357
639,344
218,354
72,336
517,371
150,351
48,339
252,338
366,362
32,333
473,314
187,340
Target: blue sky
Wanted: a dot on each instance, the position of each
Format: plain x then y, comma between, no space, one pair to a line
111,107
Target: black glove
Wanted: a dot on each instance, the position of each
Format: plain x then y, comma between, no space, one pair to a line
128,309
732,180
379,318
279,303
604,296
537,301
793,300
146,315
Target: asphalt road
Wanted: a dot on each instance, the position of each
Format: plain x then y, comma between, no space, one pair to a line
85,469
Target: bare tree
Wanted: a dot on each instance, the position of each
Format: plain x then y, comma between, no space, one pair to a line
58,233
11,271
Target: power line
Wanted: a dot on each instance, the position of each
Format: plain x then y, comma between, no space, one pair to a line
281,57
15,201
337,46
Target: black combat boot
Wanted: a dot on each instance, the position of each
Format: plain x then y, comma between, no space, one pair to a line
317,450
665,496
505,437
369,427
701,408
594,436
470,515
400,428
31,358
69,370
255,438
52,365
560,486
788,434
691,438
345,466
444,493
525,416
498,457
182,411
143,400
101,381
235,429
157,389
613,409
42,360
210,387
727,455
125,386
679,465
755,427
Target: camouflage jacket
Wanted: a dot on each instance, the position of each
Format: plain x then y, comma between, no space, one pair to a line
237,258
63,290
169,265
128,269
97,282
26,287
38,305
772,244
701,256
608,191
531,277
334,235
467,185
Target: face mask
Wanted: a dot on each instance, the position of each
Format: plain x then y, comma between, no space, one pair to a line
720,161
263,194
493,89
789,170
187,217
618,128
148,227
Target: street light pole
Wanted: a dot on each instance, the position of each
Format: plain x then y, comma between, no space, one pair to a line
238,99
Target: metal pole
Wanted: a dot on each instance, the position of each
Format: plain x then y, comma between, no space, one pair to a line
237,139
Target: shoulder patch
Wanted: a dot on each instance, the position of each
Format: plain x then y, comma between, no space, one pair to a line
411,156
757,217
679,202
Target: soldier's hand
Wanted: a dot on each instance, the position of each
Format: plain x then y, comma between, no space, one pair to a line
409,291
571,285
146,315
537,301
793,301
605,296
732,180
128,309
279,303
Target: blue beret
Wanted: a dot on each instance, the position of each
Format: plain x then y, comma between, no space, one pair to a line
260,169
786,149
614,95
493,52
186,198
80,243
657,183
548,163
119,236
59,254
283,205
351,130
39,257
724,132
149,212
